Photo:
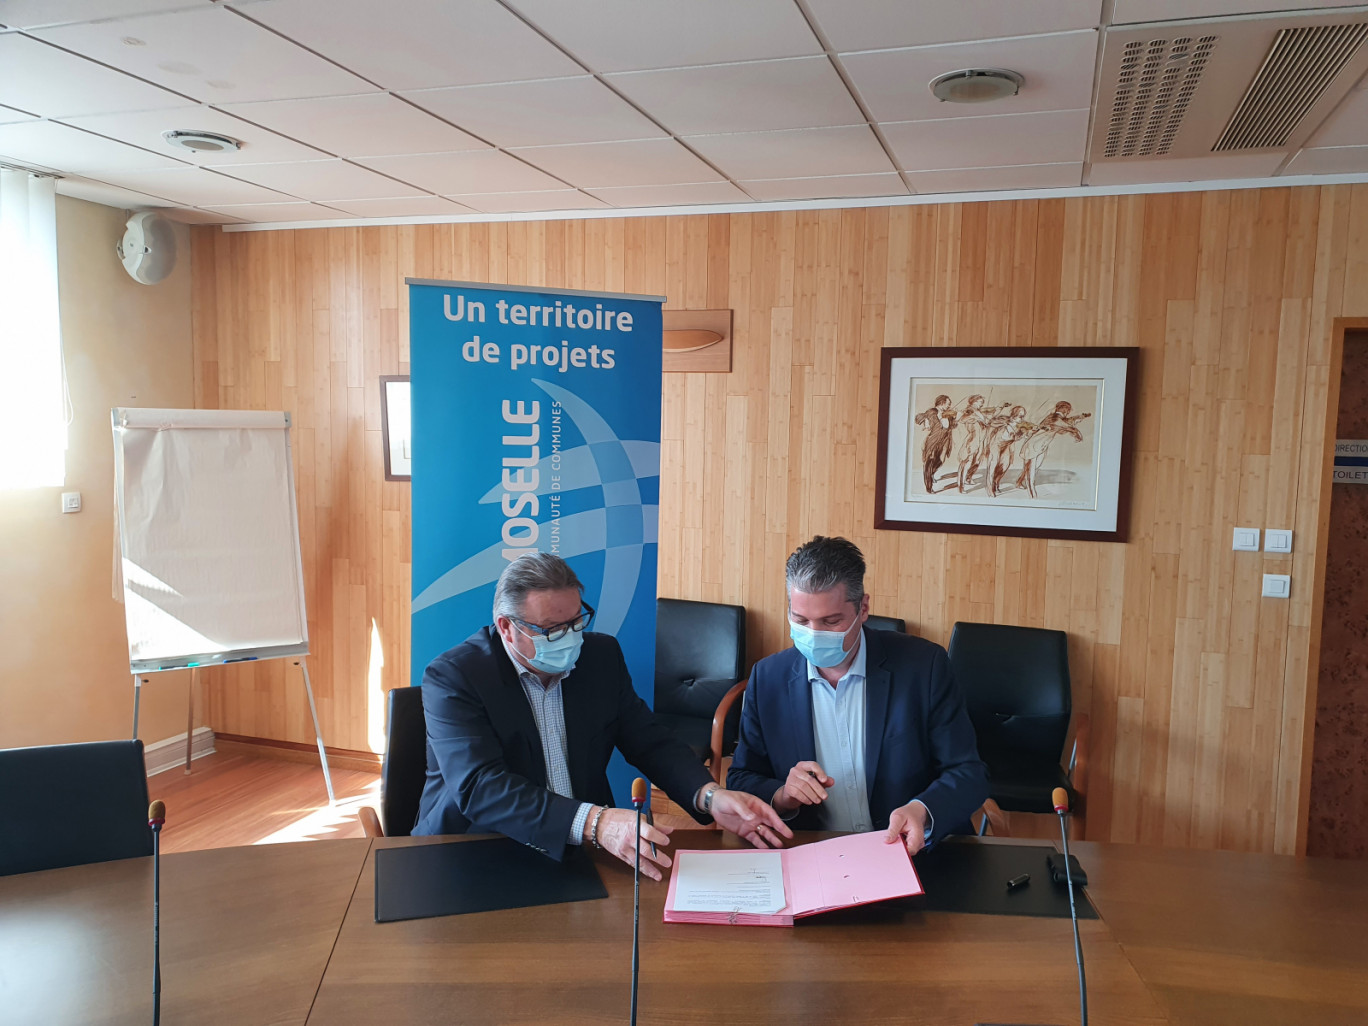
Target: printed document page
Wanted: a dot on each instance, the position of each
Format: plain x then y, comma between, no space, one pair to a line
729,881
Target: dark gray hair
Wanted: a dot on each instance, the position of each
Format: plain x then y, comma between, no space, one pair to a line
822,564
532,571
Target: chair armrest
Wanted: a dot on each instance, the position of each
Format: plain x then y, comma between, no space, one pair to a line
1078,756
370,822
994,818
719,724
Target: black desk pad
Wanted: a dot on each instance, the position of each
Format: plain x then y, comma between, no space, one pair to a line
477,876
968,877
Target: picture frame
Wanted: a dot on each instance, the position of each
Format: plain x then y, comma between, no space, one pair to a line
396,427
1033,443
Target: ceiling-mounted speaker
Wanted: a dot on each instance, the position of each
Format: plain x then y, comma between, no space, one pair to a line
148,247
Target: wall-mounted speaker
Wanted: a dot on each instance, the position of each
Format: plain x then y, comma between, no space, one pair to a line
148,247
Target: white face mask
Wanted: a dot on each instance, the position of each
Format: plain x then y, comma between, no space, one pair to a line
554,657
822,649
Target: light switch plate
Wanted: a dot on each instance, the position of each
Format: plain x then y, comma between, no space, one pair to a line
1246,539
1277,585
71,502
1278,541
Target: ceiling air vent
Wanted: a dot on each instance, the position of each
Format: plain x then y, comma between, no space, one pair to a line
1299,68
1154,87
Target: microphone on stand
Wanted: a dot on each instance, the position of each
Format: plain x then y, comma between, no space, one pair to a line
1060,799
156,816
638,799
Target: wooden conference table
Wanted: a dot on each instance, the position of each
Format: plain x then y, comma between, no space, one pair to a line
285,934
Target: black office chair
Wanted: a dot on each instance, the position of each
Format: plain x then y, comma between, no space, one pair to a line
404,769
1015,682
886,623
700,656
69,805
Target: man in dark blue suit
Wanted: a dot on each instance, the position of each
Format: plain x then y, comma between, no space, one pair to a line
855,729
521,720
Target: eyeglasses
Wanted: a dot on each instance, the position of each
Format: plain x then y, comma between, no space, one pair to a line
557,631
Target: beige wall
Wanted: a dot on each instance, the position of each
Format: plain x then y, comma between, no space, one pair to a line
63,651
1198,689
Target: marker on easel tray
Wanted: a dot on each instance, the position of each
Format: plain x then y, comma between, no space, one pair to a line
241,659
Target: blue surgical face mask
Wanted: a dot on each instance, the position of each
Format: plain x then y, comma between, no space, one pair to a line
822,649
555,657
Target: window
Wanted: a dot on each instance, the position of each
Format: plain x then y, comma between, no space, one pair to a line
32,389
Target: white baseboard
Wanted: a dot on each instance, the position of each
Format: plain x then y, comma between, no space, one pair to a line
170,752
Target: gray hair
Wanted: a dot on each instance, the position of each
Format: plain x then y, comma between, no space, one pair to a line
532,571
822,564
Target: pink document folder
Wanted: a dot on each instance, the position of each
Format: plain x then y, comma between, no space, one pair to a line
841,872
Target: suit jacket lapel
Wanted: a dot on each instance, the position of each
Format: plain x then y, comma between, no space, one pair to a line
877,691
511,692
800,707
579,730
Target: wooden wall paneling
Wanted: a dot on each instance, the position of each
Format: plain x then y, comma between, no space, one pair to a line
1197,687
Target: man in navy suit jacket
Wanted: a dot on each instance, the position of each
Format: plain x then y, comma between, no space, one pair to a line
523,716
853,728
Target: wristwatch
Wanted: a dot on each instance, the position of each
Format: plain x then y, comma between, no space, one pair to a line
707,798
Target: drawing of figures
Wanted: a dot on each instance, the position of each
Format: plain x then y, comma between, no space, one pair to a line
975,420
1056,425
939,422
1004,433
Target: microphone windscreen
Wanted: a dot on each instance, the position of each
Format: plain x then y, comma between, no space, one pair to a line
638,790
156,812
1060,797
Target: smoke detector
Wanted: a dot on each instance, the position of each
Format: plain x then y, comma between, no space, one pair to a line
201,142
976,85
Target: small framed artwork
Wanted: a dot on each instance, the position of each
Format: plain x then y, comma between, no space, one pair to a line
1027,442
396,427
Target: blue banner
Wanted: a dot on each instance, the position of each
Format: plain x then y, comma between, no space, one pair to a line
536,426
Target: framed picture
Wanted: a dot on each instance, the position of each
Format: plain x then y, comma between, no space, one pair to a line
1035,443
396,427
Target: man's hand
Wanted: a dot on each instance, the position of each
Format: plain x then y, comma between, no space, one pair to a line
617,833
749,818
908,822
806,785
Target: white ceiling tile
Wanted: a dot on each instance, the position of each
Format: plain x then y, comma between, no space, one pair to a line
10,116
26,14
145,128
672,195
896,84
425,43
68,149
262,212
628,35
530,202
542,113
404,206
1049,137
191,215
1329,160
1195,169
798,153
193,186
369,125
475,171
108,195
208,53
601,165
980,179
1347,125
802,92
827,187
322,180
873,24
49,82
1128,11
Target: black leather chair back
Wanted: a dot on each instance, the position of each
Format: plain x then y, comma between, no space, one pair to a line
69,805
886,623
404,770
700,654
1015,681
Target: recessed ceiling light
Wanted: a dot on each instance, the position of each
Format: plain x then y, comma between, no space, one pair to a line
201,142
976,85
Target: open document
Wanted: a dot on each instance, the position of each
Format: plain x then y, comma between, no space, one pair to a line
749,887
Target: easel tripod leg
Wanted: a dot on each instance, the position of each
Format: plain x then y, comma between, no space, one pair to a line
318,735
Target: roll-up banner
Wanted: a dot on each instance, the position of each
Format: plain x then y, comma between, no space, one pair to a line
536,426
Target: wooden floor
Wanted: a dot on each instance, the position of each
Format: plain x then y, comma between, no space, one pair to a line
234,799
